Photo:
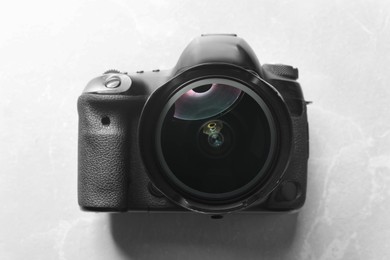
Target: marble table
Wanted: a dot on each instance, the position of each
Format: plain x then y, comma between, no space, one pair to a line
48,52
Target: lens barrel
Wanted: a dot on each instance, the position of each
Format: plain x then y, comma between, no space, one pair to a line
215,138
224,143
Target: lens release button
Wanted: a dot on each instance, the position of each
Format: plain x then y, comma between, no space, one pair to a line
289,191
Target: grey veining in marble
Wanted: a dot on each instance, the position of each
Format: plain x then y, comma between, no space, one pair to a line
49,50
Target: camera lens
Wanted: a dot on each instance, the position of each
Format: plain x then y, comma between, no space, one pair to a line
215,139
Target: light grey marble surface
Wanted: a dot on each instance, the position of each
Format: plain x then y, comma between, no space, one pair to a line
50,49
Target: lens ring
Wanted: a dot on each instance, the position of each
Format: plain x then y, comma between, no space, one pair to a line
147,137
167,169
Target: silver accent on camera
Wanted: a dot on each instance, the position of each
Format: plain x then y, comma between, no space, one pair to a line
110,83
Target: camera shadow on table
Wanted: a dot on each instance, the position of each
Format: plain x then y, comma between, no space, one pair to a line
195,236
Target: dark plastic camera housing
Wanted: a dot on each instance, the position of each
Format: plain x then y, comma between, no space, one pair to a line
117,165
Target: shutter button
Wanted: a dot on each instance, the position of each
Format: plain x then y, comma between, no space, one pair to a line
112,81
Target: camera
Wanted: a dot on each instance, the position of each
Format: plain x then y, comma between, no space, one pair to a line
217,133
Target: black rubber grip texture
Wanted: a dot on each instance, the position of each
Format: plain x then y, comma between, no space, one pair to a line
103,144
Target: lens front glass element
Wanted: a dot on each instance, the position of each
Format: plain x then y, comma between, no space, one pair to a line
215,138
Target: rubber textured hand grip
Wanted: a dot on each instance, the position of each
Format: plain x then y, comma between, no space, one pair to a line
103,148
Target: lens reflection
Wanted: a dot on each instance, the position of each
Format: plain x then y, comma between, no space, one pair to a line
205,101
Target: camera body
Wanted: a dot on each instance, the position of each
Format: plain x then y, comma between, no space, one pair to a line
122,128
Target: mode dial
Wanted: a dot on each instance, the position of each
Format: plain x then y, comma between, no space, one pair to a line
111,71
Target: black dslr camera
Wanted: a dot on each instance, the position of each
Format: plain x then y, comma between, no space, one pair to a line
217,133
